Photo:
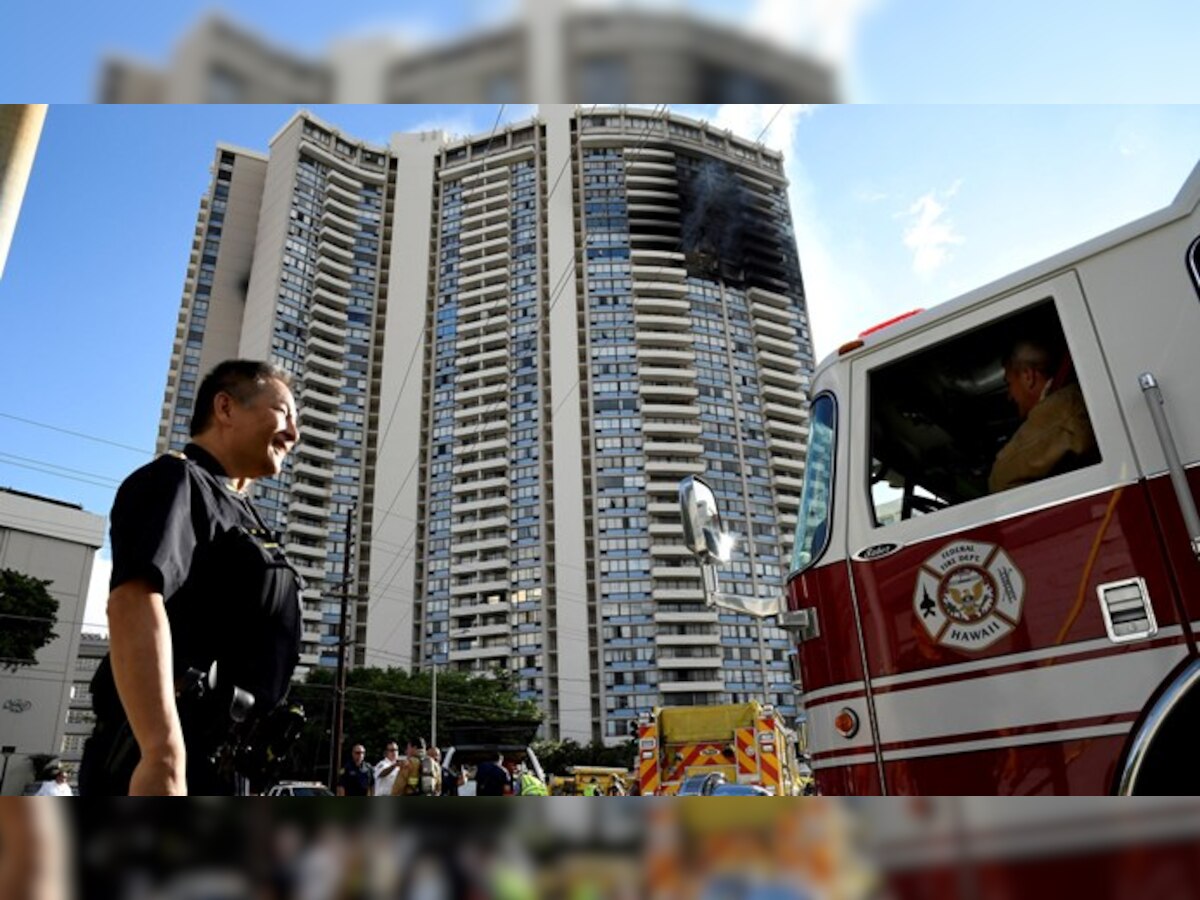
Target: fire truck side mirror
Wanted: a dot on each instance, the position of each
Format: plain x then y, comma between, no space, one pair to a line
702,531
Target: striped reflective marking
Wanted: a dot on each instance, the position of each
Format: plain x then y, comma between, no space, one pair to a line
648,773
768,756
746,762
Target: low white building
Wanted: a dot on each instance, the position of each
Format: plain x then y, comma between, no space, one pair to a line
55,541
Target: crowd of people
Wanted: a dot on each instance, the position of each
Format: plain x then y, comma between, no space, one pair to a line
419,773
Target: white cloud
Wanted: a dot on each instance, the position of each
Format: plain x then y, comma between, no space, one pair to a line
867,195
929,235
826,28
774,126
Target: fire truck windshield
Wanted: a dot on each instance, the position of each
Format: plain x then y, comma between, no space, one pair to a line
812,525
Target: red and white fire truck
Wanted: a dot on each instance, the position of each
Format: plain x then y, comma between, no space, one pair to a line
963,633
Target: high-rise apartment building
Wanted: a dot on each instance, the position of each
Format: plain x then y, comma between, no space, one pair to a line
288,264
509,349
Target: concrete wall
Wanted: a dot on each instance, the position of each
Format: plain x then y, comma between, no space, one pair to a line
46,540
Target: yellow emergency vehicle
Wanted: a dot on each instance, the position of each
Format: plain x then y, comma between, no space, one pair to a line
748,743
602,777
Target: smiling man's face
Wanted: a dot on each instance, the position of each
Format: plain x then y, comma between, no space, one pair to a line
264,430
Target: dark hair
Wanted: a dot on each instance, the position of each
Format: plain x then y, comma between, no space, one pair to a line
240,378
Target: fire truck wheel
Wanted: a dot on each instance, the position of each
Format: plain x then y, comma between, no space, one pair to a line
1170,766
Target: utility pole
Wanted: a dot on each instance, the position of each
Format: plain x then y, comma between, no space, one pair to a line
339,690
433,723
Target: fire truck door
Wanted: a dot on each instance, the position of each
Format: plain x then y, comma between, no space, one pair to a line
1016,612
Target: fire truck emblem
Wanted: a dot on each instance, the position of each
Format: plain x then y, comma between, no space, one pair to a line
969,595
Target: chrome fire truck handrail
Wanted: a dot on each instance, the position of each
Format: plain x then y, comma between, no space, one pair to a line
1183,494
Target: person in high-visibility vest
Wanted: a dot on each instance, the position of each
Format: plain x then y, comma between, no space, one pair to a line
591,789
530,785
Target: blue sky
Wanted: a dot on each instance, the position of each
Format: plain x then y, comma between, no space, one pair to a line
897,51
895,206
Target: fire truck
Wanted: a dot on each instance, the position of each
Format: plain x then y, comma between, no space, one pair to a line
992,594
747,743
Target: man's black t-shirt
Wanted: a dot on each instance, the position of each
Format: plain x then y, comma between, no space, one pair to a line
356,780
491,780
231,596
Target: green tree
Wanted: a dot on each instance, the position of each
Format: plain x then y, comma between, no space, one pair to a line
27,617
558,756
394,704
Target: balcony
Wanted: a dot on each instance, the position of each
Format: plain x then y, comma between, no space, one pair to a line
787,363
788,483
677,687
315,491
674,467
314,395
313,531
480,427
667,391
658,341
331,314
765,342
673,428
480,587
486,232
325,278
674,448
336,300
680,595
661,304
327,330
778,443
491,374
314,414
495,543
304,551
336,234
674,324
689,662
786,412
481,653
337,267
488,503
643,289
675,571
332,218
338,177
308,470
315,343
483,484
308,451
310,432
670,410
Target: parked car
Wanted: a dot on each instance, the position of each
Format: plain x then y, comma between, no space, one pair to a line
714,784
299,789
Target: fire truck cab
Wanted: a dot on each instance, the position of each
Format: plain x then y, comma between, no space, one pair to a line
996,557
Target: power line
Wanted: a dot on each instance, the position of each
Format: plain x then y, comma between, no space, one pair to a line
78,434
770,122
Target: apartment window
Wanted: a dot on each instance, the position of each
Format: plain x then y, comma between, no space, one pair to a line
73,743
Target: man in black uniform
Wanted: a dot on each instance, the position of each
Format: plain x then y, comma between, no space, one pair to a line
197,579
